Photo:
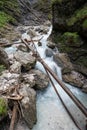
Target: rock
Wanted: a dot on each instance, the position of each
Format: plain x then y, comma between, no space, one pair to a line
28,79
26,60
43,29
31,33
28,104
47,23
62,60
8,80
4,58
74,78
84,88
16,67
51,45
49,52
41,79
22,47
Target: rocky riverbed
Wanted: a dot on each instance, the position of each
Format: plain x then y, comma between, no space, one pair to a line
18,76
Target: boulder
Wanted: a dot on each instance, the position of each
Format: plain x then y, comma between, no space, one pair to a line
28,104
51,45
15,67
41,79
84,88
22,47
28,79
4,58
74,78
62,60
26,60
8,80
49,52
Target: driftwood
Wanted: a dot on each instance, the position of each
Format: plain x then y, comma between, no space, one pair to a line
14,116
70,114
70,94
5,44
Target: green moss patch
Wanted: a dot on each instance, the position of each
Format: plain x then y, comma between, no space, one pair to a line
79,15
5,18
3,107
84,25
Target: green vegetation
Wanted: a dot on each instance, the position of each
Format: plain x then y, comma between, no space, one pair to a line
2,68
9,12
84,25
3,107
78,16
71,37
5,18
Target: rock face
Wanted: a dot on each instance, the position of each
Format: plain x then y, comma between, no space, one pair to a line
41,79
70,33
69,16
28,104
26,59
4,58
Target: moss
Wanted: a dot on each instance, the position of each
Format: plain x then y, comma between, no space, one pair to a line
3,107
71,37
2,68
9,12
77,16
84,25
5,18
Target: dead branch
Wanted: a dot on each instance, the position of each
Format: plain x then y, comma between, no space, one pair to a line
13,119
17,97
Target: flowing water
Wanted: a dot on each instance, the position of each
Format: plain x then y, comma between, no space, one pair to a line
51,114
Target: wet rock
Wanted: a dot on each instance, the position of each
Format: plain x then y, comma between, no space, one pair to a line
74,78
51,45
28,79
4,58
28,104
8,80
43,30
62,60
26,59
22,47
41,79
84,88
16,67
49,52
32,33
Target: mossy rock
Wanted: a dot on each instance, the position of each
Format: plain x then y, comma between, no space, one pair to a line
71,39
9,12
5,18
3,107
84,25
79,15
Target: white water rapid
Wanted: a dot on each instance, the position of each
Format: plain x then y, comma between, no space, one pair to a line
51,114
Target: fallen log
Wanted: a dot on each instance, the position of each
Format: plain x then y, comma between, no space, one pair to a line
70,114
70,94
13,119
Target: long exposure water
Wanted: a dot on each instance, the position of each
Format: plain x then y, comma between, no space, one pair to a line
51,114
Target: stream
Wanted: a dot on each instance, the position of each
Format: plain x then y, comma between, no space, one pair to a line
51,114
